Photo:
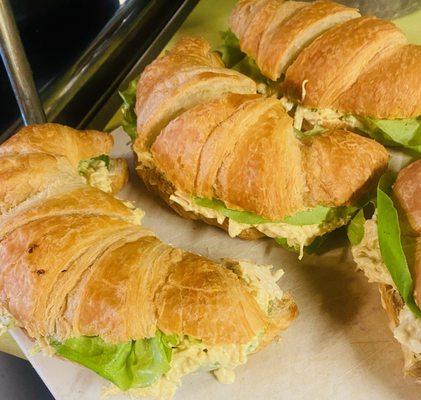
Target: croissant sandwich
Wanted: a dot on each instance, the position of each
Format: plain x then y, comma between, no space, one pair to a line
234,160
337,68
387,247
83,278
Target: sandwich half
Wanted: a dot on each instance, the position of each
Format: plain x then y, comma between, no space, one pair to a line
86,282
387,248
336,68
234,159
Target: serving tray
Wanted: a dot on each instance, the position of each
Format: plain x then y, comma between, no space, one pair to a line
339,347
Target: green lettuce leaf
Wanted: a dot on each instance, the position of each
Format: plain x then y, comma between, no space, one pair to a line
134,364
391,245
127,109
316,215
313,216
230,50
320,214
355,229
242,217
396,132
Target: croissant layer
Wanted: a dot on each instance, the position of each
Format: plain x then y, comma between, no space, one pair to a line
241,149
74,260
330,58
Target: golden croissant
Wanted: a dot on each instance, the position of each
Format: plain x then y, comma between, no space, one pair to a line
231,157
81,276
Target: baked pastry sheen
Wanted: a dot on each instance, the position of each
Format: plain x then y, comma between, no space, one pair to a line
242,149
331,58
75,261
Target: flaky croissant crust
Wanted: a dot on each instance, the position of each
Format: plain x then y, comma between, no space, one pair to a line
331,58
74,261
241,148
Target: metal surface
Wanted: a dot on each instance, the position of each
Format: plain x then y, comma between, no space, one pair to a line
18,69
387,9
103,116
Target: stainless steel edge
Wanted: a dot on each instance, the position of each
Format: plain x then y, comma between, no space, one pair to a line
18,68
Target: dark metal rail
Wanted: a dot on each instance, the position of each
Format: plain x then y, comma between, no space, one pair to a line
18,68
